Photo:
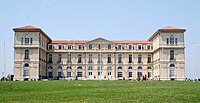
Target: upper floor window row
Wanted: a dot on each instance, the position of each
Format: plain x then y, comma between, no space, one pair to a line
109,46
26,40
172,40
133,47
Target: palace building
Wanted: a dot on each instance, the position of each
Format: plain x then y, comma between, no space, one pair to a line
37,56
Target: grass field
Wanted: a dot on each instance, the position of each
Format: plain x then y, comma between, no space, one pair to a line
100,92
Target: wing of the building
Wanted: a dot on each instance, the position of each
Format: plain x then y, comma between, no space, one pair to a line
37,56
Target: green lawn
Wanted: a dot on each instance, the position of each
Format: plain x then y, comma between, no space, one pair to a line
102,92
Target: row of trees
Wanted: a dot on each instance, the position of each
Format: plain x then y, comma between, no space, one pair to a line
8,78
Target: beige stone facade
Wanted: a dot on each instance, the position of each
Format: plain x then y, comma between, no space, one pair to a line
37,56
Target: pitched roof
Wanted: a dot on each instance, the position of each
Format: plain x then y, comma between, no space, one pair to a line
69,41
171,28
27,27
131,41
30,28
85,41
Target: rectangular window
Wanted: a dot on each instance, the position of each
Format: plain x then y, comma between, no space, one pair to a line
31,40
59,75
109,46
119,47
79,74
149,74
90,73
26,40
119,74
22,40
68,74
149,59
50,47
176,40
148,47
69,58
167,40
79,47
129,74
59,46
109,58
99,73
50,75
130,58
139,47
90,58
130,46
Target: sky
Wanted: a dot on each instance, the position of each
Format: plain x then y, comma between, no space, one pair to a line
109,19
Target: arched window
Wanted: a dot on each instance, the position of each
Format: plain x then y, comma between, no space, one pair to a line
171,54
149,59
79,58
139,58
79,72
26,70
171,39
90,46
172,71
130,58
68,58
90,58
139,72
119,58
90,70
50,72
149,72
109,71
50,58
69,71
26,54
59,70
109,58
130,70
119,72
109,46
59,58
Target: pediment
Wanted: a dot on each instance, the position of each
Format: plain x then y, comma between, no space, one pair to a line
100,40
